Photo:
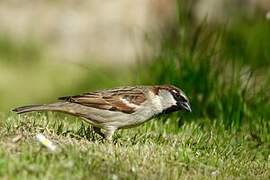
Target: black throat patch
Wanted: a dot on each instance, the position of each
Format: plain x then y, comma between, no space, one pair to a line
170,110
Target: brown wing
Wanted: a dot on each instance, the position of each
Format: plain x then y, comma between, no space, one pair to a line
111,100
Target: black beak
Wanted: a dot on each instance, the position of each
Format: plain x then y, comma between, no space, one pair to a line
185,106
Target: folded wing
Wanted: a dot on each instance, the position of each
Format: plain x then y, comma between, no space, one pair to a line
123,99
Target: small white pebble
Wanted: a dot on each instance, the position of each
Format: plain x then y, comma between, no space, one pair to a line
215,173
46,142
267,15
133,169
114,177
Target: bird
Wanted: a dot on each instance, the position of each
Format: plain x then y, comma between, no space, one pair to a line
118,108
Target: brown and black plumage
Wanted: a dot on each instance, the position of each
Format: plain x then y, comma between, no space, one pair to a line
118,108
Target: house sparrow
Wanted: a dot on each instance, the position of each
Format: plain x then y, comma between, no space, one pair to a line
118,108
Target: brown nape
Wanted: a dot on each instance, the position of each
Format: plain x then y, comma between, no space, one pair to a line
156,89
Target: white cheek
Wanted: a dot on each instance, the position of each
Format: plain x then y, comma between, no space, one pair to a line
171,100
158,104
167,100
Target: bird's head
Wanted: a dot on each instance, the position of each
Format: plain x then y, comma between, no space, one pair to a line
173,99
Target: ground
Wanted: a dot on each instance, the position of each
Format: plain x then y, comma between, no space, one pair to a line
160,149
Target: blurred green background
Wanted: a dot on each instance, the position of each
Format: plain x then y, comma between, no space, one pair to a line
221,61
217,51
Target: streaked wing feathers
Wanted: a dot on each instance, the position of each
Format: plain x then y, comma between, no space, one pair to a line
112,100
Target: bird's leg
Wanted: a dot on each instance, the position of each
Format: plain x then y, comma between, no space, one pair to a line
98,131
109,131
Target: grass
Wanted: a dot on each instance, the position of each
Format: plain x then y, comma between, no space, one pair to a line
222,82
156,150
224,71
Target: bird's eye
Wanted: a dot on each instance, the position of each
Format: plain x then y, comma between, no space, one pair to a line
183,99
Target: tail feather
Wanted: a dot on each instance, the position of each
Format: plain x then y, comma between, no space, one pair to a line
30,108
59,106
65,107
